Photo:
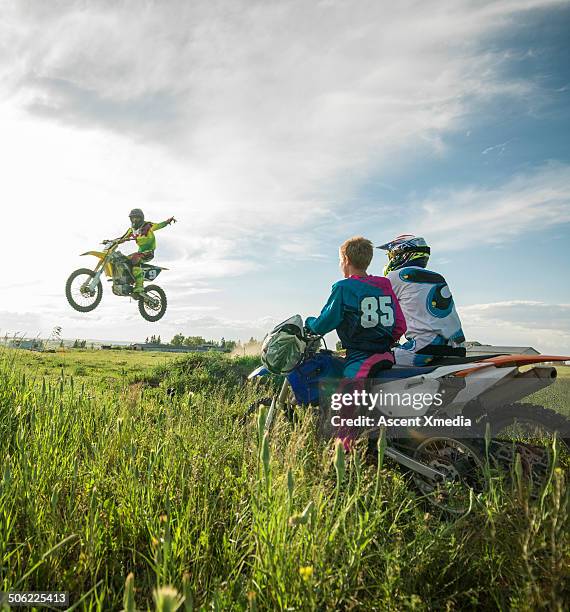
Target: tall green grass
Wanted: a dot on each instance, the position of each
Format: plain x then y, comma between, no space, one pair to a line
131,499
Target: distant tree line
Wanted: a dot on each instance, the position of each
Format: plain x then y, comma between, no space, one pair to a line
230,345
153,340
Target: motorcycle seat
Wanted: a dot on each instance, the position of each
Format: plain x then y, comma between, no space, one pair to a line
399,372
445,360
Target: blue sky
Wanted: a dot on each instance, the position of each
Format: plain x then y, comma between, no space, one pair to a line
275,130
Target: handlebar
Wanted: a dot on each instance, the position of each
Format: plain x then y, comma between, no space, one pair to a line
313,340
310,335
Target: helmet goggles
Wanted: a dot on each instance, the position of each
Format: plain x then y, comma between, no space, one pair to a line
404,250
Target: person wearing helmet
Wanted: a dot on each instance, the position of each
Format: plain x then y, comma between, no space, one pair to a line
434,328
364,311
143,233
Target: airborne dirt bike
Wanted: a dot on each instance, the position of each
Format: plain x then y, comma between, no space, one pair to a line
446,465
84,289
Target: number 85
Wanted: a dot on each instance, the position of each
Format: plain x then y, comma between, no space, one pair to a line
377,310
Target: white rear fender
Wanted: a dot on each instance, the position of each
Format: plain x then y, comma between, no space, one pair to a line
513,388
399,397
481,381
405,397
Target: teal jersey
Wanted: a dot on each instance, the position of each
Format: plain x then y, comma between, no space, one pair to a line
365,313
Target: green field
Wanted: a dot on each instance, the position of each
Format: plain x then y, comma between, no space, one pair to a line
105,475
104,366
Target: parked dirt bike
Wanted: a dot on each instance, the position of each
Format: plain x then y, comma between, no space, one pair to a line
84,289
445,467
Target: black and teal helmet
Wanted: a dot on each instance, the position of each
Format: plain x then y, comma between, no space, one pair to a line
406,250
137,218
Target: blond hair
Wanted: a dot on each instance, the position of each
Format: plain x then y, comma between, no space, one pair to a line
358,251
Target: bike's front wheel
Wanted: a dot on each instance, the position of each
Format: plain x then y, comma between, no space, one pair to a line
152,304
282,401
78,293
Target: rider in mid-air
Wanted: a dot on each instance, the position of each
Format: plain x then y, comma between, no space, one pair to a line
433,324
364,311
143,233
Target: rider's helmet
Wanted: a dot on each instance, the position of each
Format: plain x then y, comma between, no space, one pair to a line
406,250
284,346
137,218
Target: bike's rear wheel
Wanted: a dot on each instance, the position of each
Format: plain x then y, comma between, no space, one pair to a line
153,308
462,465
77,293
533,425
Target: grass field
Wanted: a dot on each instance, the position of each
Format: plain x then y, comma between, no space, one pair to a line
557,396
109,366
130,498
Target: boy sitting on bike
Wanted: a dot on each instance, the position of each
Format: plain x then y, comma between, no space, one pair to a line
143,233
364,311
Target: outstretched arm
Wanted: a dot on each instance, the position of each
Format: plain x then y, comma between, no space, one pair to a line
331,315
126,236
157,226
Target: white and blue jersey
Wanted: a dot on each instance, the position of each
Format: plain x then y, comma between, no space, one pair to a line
430,313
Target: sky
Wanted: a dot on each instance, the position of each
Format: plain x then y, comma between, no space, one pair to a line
273,131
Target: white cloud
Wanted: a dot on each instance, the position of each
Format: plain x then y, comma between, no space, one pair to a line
473,215
271,102
544,326
251,121
21,323
533,201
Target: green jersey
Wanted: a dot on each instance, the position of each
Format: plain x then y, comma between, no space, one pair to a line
144,235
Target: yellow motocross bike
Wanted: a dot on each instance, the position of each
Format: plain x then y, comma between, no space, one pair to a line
84,289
